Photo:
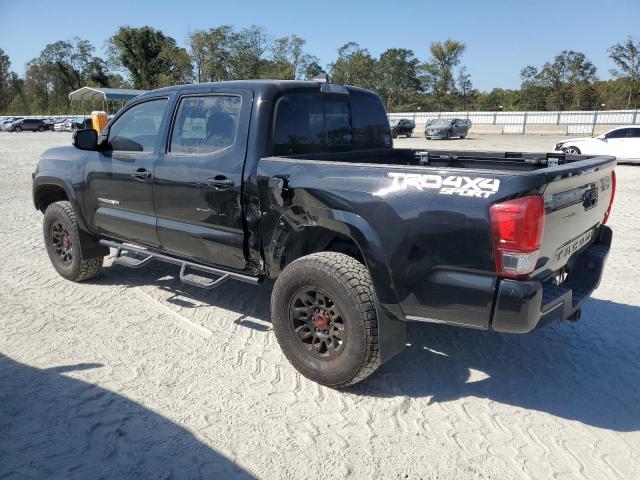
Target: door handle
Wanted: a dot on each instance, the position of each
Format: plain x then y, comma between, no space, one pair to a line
220,182
141,174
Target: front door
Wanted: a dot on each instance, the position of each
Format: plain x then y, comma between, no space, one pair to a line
198,181
119,192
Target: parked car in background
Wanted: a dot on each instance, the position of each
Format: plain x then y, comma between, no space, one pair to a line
446,128
622,142
52,121
62,125
6,123
75,124
403,126
28,124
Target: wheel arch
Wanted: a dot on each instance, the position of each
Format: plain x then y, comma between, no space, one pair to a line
336,231
48,189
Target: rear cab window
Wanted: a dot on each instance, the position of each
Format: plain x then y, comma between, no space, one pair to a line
329,122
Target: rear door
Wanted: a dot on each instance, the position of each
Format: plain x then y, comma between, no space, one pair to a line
119,195
198,179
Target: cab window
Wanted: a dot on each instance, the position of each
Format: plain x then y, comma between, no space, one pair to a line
620,133
138,128
323,123
205,124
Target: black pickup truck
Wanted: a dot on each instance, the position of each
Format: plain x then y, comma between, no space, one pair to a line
299,182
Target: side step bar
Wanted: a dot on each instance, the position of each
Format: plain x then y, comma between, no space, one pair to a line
188,278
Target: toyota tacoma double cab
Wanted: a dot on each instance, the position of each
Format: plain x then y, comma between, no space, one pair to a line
299,183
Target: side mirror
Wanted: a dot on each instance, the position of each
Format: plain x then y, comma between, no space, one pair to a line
86,139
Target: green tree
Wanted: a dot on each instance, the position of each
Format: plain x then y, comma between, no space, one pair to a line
61,67
312,70
626,56
151,58
5,97
289,56
439,77
397,77
96,73
533,95
464,87
568,80
246,55
211,53
354,66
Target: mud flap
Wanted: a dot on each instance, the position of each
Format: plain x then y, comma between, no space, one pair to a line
392,334
90,247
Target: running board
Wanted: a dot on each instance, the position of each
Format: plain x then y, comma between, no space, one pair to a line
188,278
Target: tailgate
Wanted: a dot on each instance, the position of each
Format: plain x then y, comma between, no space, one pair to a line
577,196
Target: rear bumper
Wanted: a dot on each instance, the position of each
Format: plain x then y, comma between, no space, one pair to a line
522,305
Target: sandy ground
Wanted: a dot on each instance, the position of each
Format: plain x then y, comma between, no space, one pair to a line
133,375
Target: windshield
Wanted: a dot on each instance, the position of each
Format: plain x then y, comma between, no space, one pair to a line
439,122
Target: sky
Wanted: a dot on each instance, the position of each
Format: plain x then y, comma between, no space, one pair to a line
501,36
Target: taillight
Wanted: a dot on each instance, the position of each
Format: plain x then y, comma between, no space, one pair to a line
613,194
517,227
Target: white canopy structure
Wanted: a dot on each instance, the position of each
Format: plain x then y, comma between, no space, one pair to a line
104,94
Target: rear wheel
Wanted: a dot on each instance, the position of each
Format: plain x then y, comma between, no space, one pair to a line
324,317
462,137
41,129
62,239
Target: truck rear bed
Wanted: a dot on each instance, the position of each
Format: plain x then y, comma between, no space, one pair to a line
430,214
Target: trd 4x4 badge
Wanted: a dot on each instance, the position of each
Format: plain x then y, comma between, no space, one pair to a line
451,185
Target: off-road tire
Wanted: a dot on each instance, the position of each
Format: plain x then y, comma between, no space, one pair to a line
77,269
348,283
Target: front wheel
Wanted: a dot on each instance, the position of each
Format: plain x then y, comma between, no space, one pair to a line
572,150
62,239
17,129
41,129
324,317
409,134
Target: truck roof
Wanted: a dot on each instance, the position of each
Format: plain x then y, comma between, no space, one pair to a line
261,87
